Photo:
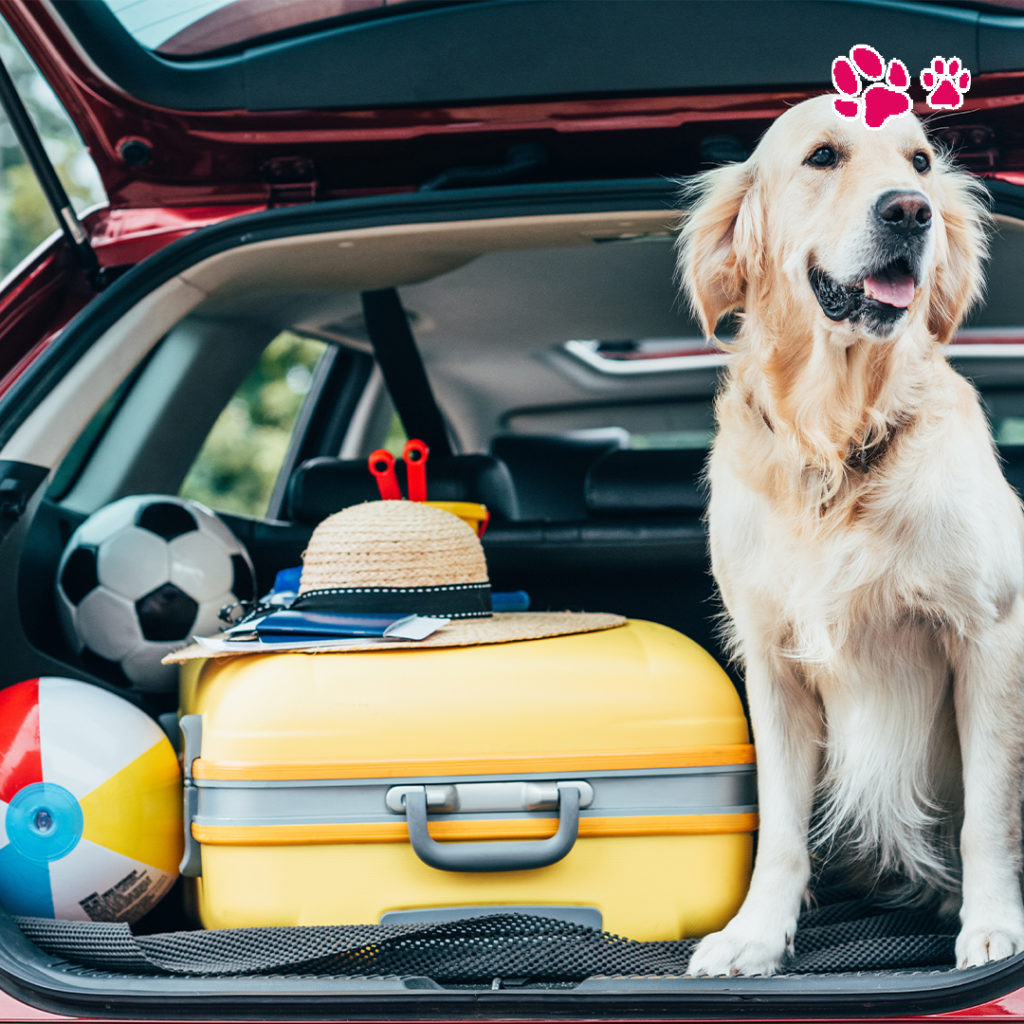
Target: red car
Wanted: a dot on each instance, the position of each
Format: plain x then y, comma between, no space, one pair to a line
503,172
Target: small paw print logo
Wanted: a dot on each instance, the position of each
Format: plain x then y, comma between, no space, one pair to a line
885,98
946,81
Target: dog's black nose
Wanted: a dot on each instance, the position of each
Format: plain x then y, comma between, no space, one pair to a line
906,213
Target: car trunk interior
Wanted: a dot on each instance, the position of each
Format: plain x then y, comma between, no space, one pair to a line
494,283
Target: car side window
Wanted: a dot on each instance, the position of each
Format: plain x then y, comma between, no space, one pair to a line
239,463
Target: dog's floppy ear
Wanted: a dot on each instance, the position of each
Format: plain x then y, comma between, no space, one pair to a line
957,281
719,238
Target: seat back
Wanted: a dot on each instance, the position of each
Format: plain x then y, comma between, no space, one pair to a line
321,486
549,472
647,483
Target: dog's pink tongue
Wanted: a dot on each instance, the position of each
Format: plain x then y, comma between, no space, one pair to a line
893,291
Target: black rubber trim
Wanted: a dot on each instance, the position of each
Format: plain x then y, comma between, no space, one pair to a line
45,982
1006,199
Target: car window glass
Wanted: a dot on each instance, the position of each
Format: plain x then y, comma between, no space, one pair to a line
683,423
190,27
25,217
240,460
396,437
1009,430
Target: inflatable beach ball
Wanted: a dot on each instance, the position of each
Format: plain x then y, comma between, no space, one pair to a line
90,804
140,577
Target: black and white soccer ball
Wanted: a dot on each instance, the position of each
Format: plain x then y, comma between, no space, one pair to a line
140,577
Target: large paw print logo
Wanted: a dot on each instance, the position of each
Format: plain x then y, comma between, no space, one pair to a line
885,98
947,81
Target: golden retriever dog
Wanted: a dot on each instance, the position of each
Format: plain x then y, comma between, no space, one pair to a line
868,550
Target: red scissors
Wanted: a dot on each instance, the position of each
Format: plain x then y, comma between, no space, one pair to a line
414,454
382,466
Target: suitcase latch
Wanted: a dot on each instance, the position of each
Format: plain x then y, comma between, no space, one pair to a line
482,797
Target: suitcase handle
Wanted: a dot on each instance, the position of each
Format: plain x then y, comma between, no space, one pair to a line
492,856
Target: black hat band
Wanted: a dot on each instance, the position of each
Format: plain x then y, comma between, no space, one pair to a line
454,601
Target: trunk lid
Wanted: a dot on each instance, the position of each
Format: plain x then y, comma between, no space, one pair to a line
263,103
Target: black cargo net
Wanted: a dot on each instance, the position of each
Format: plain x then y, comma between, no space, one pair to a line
842,937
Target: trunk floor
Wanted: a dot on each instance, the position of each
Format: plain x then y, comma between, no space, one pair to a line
851,935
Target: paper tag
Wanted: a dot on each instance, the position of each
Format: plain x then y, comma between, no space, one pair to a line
414,627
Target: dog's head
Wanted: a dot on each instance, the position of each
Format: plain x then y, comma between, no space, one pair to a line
832,224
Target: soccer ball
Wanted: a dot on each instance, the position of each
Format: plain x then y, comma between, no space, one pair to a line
139,577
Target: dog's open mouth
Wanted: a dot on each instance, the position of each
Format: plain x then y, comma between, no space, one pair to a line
882,294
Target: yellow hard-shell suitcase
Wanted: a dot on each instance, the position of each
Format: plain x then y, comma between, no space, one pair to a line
606,777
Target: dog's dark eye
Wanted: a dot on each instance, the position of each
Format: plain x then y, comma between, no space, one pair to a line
823,156
921,163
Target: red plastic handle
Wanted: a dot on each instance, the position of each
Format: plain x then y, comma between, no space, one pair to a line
382,466
415,455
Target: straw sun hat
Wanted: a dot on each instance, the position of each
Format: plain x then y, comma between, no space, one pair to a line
407,557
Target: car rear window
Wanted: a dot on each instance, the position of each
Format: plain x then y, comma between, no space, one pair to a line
189,28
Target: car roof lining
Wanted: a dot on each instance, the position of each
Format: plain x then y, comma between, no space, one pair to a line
402,254
328,265
464,284
490,300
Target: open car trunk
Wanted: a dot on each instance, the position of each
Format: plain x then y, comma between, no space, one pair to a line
495,280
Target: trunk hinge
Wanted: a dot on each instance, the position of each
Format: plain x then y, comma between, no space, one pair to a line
32,146
290,180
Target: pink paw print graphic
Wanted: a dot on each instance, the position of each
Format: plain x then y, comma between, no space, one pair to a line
947,81
886,98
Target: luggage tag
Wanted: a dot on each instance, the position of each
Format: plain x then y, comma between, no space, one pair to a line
278,627
295,630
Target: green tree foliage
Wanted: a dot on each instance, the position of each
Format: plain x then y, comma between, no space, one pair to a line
238,465
25,217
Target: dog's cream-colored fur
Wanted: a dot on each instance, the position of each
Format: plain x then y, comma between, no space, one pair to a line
877,613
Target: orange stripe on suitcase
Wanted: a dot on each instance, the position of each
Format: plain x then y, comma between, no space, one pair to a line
694,757
396,832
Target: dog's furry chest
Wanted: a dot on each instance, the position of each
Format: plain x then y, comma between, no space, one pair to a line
825,586
859,618
934,540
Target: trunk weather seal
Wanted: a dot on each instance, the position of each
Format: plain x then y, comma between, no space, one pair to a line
43,981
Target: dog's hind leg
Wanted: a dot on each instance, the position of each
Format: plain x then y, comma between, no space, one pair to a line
787,730
989,694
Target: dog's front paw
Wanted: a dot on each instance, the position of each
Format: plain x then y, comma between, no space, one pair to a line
981,945
739,951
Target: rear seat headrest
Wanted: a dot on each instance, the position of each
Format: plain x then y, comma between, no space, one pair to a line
651,480
321,486
549,471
